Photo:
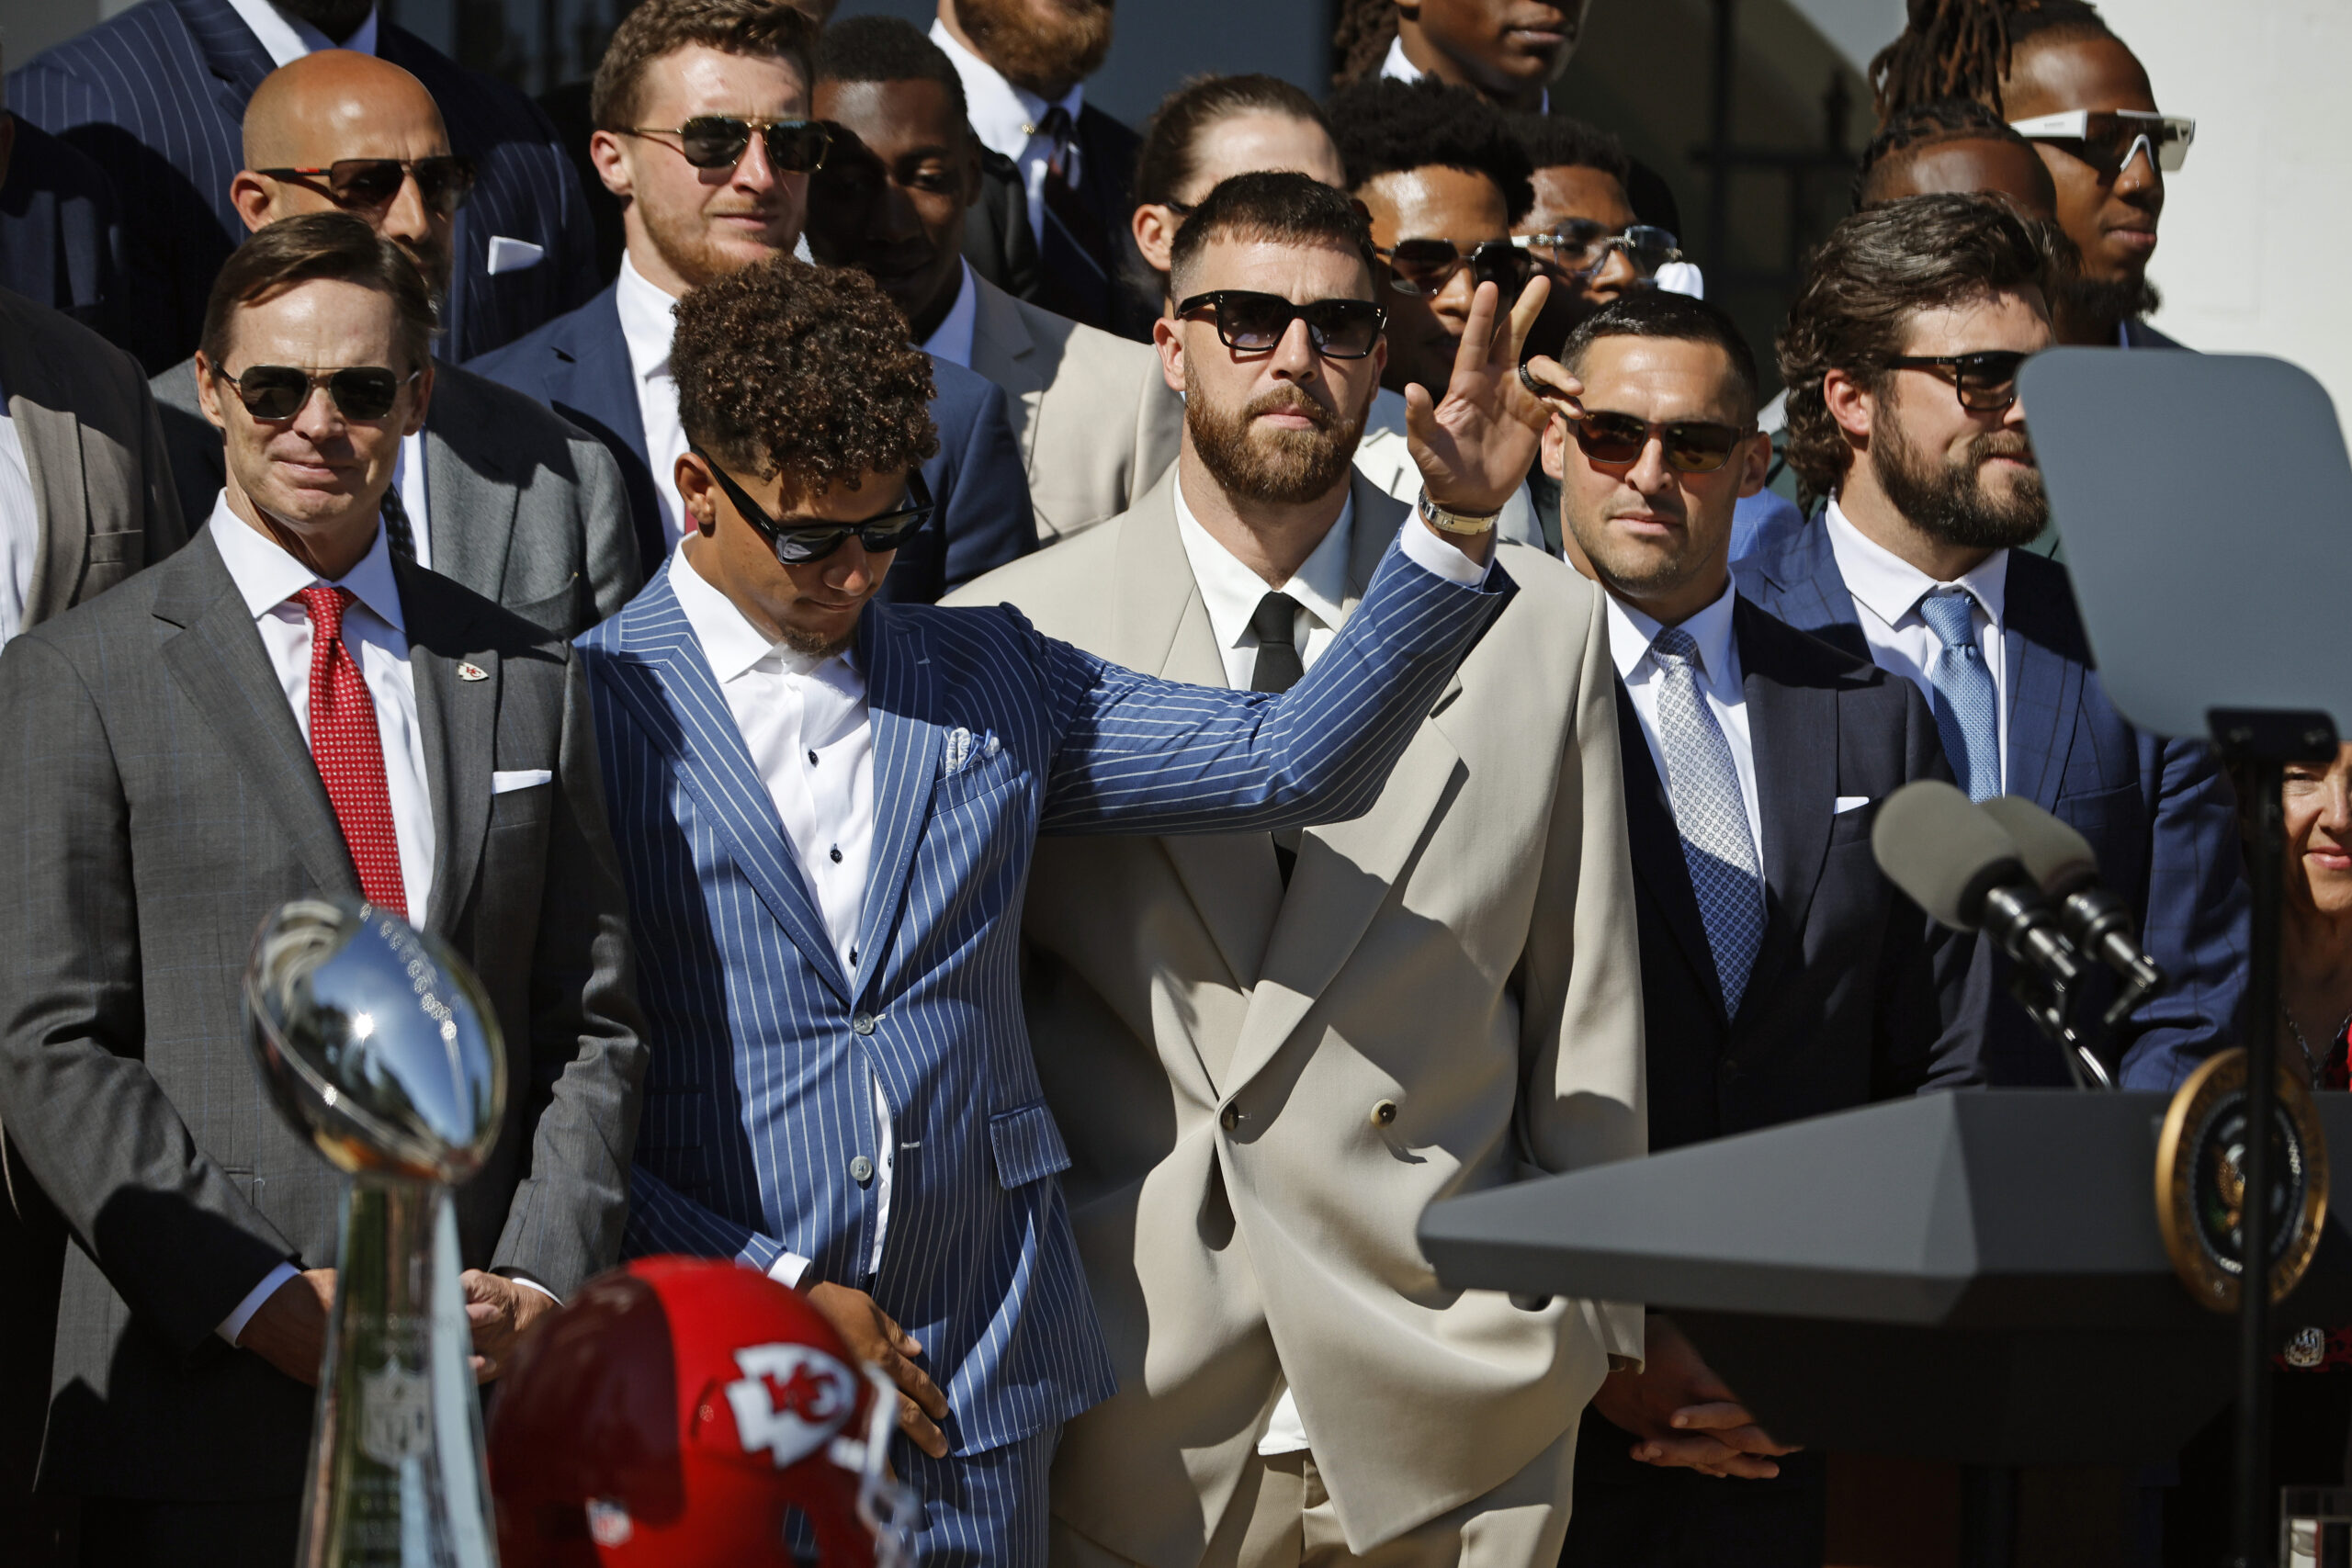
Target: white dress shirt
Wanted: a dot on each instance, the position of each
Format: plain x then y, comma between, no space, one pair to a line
1403,70
19,529
1230,592
648,325
811,734
408,478
1887,590
374,630
952,340
1720,678
1005,117
287,39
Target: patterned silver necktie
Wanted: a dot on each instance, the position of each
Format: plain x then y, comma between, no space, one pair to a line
1703,786
1968,714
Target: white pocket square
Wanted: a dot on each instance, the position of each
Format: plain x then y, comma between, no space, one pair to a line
1847,803
521,778
513,255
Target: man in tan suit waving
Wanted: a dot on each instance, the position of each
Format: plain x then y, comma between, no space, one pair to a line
1269,1057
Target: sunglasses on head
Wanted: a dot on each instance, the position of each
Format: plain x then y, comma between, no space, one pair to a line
370,185
2107,140
720,141
1254,322
1987,382
1581,247
1426,266
276,392
796,543
1689,446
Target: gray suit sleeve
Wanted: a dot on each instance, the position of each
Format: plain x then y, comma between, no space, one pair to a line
166,526
610,557
172,1234
587,1047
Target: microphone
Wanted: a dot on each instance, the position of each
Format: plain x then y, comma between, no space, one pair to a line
1962,868
2096,921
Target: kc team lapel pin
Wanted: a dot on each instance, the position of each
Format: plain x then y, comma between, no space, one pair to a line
473,671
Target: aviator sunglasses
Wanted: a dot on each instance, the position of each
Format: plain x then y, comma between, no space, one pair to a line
1254,322
1425,266
720,141
799,543
276,392
1689,446
371,185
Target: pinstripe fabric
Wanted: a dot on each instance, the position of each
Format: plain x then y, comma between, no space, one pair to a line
759,1096
982,1510
157,96
2158,813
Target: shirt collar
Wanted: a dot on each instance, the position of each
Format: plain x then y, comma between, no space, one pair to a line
1398,67
1631,631
732,645
648,321
1230,592
287,39
952,340
1891,588
1005,116
267,577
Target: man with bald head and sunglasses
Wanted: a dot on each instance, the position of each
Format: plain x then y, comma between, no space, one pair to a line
493,490
703,130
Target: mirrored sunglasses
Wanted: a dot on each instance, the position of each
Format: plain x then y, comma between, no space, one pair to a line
720,141
1689,447
1581,247
1425,266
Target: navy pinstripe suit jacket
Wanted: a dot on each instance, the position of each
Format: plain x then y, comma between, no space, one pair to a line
766,1055
2159,813
157,95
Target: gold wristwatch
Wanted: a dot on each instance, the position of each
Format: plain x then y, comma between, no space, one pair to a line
1445,522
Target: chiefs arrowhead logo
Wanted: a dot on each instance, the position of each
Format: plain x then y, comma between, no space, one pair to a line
789,1400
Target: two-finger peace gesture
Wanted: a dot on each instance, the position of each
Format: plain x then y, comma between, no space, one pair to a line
1475,446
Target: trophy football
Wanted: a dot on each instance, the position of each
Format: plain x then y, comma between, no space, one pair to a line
378,1045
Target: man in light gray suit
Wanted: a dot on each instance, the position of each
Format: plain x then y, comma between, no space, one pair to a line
281,710
85,500
498,493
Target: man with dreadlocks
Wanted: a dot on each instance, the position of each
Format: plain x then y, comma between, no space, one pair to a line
2036,63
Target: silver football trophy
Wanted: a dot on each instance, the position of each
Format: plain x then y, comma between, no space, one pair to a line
378,1043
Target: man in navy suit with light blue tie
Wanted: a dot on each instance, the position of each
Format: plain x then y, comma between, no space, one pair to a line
826,808
1901,358
701,107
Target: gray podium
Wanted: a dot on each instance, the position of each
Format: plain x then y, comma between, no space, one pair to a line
1976,1276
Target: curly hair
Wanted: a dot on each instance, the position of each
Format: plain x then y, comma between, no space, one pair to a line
1960,49
1558,141
805,370
1876,271
1361,35
659,27
1387,126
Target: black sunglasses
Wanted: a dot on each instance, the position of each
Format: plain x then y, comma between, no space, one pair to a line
797,544
278,391
720,141
370,185
1689,446
1987,382
1426,266
1255,323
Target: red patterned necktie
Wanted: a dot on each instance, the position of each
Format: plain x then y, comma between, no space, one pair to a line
350,753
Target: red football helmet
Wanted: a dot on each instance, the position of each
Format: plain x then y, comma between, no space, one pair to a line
673,1413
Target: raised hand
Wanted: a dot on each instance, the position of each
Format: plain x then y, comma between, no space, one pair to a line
1474,447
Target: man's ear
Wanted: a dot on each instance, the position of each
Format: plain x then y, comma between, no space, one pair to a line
1155,231
1170,344
1852,404
1756,461
252,198
207,392
698,492
605,151
1554,450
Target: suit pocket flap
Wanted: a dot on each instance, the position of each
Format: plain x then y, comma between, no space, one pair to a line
1027,1145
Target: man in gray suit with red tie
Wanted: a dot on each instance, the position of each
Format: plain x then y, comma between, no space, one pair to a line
284,710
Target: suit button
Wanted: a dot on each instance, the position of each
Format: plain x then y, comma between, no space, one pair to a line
862,1024
861,1171
1384,1112
1229,1119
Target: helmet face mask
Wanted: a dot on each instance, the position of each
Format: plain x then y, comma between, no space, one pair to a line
680,1412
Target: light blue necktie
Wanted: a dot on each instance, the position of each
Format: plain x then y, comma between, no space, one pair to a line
1711,815
1968,714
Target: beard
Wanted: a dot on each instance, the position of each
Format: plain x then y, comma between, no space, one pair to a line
336,18
1280,467
816,645
1045,46
2108,302
1951,500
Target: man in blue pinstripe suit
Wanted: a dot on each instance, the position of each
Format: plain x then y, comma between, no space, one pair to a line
157,95
826,808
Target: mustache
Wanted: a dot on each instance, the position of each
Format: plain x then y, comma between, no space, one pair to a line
2002,444
1291,401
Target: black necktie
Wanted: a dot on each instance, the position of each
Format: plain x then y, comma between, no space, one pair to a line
1275,620
398,534
1078,261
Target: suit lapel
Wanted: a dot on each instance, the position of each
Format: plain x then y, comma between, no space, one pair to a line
603,385
52,438
471,513
1002,349
231,53
460,720
661,675
1657,846
1793,732
902,699
2045,689
218,659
